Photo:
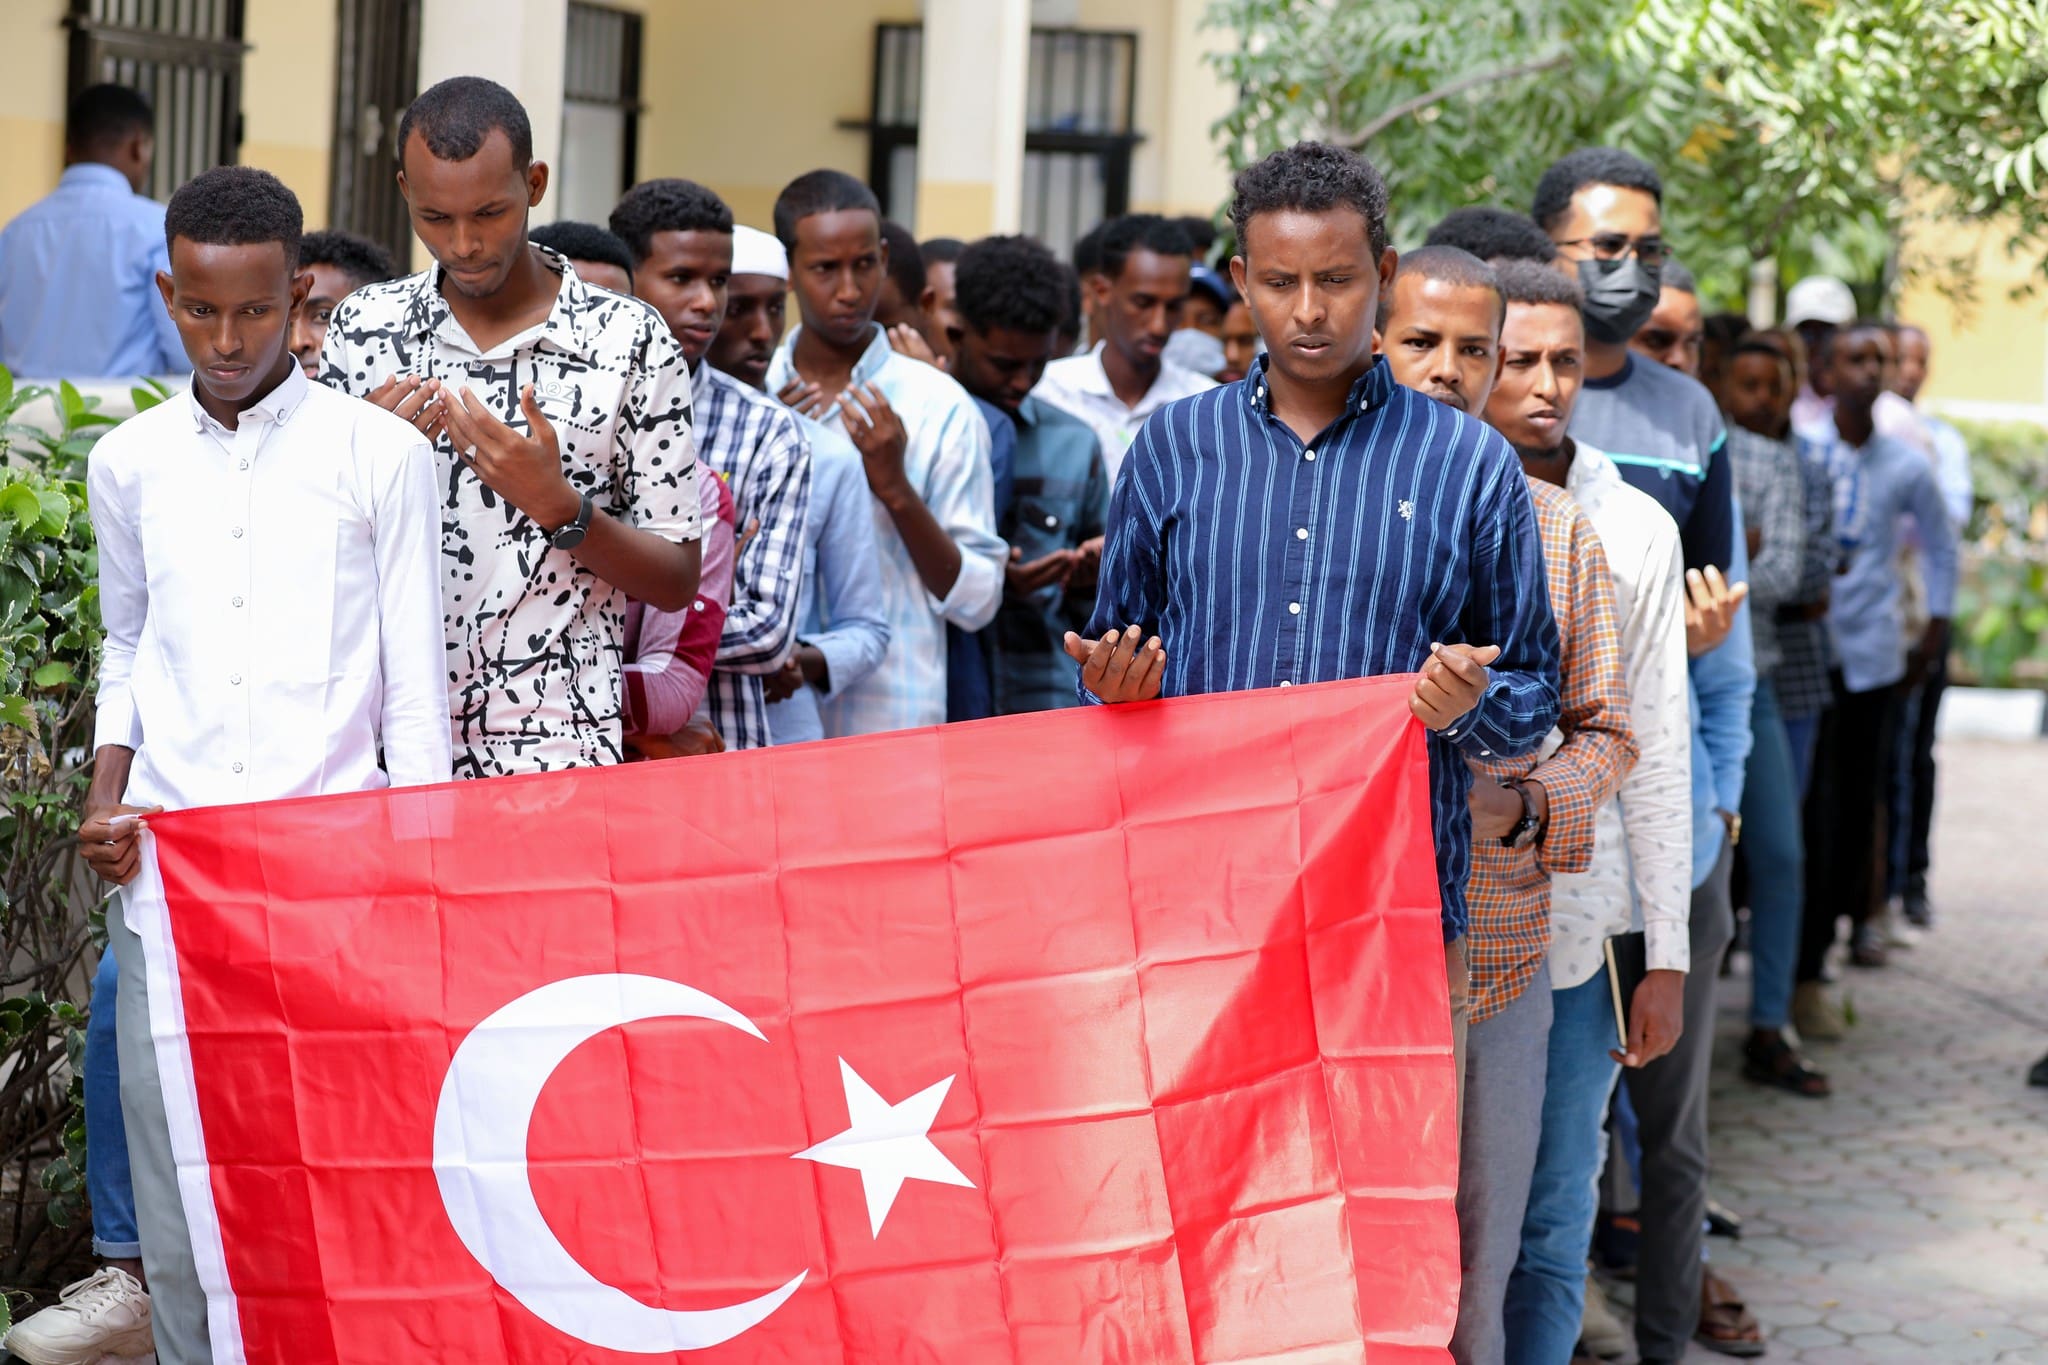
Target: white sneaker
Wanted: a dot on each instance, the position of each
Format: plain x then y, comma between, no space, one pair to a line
1600,1330
105,1315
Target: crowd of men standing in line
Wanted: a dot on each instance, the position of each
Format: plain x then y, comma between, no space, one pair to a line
1664,580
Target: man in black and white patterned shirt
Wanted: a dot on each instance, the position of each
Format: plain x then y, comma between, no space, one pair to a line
561,414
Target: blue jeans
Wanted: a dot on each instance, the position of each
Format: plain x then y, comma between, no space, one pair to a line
1776,850
1802,733
107,1185
1547,1292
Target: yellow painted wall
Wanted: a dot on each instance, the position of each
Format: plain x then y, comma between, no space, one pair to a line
1990,359
746,97
32,103
288,96
287,99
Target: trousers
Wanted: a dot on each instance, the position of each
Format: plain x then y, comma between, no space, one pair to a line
177,1303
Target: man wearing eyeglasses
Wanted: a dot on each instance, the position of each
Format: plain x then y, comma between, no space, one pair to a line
1603,209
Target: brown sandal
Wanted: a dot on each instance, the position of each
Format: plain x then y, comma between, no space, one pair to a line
1726,1324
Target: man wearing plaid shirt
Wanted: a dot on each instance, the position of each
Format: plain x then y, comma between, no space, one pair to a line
681,237
1531,815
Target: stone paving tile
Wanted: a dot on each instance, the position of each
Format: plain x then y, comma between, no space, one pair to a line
1906,1218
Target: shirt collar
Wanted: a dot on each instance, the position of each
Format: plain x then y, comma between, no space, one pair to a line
1370,390
95,174
1092,377
869,367
1618,378
276,408
571,326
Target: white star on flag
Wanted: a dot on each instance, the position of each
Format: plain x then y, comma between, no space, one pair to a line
887,1143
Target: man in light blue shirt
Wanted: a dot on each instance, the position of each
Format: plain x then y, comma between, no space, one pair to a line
1876,481
78,268
842,628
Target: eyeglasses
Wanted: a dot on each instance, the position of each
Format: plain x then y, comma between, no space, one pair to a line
1612,246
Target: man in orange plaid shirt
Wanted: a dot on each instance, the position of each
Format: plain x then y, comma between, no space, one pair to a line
1531,816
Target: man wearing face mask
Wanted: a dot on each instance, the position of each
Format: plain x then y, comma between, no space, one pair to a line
1603,209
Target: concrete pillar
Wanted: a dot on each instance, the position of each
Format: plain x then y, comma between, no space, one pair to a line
970,135
517,43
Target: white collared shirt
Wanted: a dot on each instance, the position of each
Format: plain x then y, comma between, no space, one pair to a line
1641,874
946,460
1078,384
272,600
535,639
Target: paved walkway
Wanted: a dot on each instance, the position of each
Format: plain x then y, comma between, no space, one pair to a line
1906,1218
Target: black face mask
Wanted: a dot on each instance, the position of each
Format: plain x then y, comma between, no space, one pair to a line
1620,296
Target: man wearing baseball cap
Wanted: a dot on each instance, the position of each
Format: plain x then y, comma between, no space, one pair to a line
1814,308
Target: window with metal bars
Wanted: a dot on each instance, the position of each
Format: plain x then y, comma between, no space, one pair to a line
600,110
186,57
1081,97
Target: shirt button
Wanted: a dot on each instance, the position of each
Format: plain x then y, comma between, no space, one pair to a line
1308,454
243,465
1301,533
236,601
234,679
238,533
1294,608
1486,753
238,767
1285,683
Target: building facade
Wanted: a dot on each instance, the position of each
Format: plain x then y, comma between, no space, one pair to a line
967,116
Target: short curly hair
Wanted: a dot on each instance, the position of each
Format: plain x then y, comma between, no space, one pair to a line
1312,177
816,192
235,206
1493,234
1529,283
667,205
583,242
1135,232
361,260
1574,171
1450,264
1010,282
456,117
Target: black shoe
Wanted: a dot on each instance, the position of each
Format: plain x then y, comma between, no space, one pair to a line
1919,911
2038,1075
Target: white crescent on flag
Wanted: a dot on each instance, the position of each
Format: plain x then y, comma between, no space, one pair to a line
480,1133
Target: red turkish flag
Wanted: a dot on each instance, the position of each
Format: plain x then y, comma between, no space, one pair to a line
1112,1035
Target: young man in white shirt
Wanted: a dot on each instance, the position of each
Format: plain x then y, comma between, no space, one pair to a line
923,446
561,413
271,593
1642,850
1136,293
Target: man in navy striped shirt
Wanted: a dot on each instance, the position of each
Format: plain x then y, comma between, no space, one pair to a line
1316,521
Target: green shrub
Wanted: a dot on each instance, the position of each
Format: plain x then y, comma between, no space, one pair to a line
49,643
2001,622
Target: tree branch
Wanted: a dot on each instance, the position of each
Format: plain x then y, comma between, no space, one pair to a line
1389,117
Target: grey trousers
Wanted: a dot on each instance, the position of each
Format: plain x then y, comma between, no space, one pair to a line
177,1303
1506,1058
1670,1098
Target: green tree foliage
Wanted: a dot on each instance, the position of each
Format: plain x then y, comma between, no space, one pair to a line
1786,129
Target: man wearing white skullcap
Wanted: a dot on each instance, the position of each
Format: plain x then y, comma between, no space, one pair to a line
842,581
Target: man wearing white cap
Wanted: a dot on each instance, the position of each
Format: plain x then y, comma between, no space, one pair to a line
680,235
1814,308
842,627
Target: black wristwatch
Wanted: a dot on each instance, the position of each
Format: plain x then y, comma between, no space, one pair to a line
1529,826
570,536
